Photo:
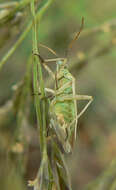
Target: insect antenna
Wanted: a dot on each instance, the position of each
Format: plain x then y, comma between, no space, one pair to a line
49,60
51,50
75,38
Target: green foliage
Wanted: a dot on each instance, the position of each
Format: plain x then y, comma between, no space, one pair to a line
92,62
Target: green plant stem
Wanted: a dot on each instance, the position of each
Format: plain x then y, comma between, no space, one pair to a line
42,7
37,67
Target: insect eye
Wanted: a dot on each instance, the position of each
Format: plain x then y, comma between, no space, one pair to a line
59,62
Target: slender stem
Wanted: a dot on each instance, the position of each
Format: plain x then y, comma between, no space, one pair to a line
35,77
36,65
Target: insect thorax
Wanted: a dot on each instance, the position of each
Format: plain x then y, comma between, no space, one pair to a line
64,77
64,109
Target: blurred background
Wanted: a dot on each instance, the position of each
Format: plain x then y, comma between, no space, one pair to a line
92,61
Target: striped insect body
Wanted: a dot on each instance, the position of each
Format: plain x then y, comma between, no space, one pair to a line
62,109
63,106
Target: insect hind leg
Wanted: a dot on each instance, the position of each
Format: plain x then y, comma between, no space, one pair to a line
78,97
84,97
45,66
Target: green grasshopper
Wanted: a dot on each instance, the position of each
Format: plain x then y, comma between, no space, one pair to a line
63,106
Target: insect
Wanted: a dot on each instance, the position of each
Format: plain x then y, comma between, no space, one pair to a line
63,106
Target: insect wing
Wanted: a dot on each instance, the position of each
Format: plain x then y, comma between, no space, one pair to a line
60,134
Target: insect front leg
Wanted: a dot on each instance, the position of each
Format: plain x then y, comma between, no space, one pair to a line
45,66
50,90
49,71
46,90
